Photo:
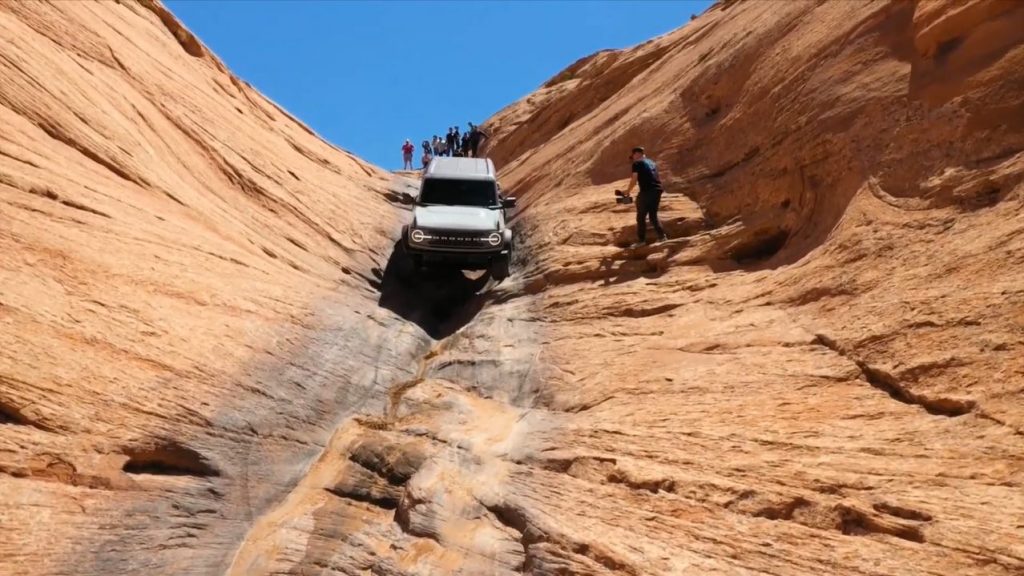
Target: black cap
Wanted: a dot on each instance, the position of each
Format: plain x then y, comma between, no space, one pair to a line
639,149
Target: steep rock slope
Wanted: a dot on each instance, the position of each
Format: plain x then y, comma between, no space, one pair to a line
186,299
820,373
822,370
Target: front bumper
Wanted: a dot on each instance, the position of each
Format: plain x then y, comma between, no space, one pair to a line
457,247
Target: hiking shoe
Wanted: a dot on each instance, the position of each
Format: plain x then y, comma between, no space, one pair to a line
637,245
663,237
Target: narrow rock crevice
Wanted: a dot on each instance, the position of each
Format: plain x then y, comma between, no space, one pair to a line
18,159
886,382
514,519
849,518
652,485
606,470
403,517
382,500
51,195
509,516
11,414
392,461
83,208
58,134
779,507
986,416
857,522
168,458
902,512
784,510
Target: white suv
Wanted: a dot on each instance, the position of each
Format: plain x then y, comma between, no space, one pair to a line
459,218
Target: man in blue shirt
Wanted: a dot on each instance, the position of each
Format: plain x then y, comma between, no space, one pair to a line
645,173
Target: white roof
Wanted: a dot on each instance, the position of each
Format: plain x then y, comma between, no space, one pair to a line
461,168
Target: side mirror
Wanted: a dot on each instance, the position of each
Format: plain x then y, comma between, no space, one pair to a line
508,202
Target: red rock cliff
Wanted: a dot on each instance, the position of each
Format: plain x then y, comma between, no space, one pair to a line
186,307
208,364
822,370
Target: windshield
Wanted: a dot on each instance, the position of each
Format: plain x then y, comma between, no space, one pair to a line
458,192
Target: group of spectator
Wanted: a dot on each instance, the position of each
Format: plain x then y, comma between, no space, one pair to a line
465,144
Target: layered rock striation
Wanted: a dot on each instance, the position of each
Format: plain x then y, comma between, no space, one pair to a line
214,361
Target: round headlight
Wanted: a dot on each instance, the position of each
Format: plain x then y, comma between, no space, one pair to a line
494,239
417,235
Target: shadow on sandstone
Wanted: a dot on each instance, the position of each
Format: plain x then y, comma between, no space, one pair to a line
440,300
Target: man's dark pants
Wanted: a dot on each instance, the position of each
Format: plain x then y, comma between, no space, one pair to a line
647,207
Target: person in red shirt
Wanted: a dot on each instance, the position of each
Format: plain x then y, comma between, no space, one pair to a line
407,150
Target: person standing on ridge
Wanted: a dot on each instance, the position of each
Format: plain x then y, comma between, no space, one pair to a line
476,135
427,154
407,150
453,146
465,144
449,142
645,173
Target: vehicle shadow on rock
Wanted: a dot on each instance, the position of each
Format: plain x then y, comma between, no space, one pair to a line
440,300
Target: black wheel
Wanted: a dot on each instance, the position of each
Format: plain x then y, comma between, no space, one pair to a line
406,264
500,267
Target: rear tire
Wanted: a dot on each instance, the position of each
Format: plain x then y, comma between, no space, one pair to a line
500,267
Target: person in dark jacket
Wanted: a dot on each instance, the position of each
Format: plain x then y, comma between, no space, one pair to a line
449,142
427,154
645,174
476,137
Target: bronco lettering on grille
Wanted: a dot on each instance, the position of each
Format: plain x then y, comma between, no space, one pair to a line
458,238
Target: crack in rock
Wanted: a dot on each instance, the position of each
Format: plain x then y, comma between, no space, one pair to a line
886,382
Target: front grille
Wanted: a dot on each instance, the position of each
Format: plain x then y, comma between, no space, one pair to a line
456,240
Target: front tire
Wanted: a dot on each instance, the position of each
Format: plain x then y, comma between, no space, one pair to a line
500,267
405,266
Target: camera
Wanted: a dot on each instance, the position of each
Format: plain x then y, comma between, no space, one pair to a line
622,198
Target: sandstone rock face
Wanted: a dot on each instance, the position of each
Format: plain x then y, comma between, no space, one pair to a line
822,371
187,301
213,362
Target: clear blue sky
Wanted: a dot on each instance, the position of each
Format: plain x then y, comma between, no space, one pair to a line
366,75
